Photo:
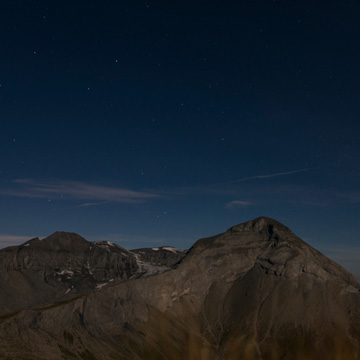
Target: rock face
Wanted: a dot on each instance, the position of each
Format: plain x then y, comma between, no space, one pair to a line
59,267
65,265
153,261
256,291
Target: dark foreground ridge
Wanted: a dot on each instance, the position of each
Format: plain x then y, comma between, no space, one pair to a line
256,291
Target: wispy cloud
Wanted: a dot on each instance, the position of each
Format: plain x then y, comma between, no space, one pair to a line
237,203
226,187
344,252
11,240
351,197
93,204
266,176
347,256
76,190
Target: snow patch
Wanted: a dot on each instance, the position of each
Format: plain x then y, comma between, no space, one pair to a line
27,245
100,286
146,269
155,249
107,244
171,249
67,291
65,272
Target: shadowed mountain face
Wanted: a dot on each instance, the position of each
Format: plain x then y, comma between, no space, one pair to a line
256,291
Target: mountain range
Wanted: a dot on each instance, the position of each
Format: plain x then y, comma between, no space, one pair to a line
256,291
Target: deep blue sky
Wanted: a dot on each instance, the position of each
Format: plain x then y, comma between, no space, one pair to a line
159,122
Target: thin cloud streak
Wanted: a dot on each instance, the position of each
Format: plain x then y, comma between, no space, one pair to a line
266,176
351,197
76,190
213,188
237,203
93,204
347,256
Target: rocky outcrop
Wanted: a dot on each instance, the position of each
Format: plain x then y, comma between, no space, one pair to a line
59,267
153,261
65,265
256,291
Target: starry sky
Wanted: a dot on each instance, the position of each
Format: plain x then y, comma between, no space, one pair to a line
154,123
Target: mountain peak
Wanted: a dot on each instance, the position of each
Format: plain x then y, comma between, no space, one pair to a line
256,230
260,224
65,234
64,240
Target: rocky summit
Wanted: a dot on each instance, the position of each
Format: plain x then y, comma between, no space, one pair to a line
256,291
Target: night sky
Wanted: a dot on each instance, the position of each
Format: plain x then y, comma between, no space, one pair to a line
154,123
